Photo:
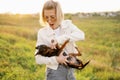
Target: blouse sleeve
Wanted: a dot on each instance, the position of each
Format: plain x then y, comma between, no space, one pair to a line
72,32
41,59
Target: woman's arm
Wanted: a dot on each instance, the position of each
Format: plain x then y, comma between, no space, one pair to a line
41,59
72,32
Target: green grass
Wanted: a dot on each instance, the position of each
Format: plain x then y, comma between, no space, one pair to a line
18,39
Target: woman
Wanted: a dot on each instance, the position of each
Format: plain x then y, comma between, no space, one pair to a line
59,30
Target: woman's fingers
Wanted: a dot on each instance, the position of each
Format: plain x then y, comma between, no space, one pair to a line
62,59
53,44
65,61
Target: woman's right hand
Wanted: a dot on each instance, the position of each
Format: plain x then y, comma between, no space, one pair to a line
62,59
53,44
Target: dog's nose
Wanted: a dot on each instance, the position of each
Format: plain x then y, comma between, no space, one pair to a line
36,47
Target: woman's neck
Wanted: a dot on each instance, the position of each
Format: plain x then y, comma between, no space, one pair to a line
54,27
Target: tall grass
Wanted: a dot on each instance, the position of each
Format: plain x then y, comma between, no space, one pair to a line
18,39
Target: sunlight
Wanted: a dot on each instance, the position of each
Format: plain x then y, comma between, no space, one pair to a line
35,6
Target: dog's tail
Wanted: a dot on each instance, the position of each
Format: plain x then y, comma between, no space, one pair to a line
84,65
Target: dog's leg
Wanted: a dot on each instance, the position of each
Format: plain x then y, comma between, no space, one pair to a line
63,46
76,54
79,53
83,66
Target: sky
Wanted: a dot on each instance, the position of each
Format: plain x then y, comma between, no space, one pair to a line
68,6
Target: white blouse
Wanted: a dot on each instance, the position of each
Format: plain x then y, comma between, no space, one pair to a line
65,31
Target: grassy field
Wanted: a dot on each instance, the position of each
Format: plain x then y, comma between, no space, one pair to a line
18,39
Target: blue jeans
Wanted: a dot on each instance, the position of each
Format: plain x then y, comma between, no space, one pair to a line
62,73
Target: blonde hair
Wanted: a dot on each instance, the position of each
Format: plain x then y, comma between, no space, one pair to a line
50,4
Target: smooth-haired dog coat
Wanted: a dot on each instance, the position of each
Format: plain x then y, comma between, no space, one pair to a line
74,62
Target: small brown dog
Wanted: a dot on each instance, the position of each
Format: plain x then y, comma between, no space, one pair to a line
74,62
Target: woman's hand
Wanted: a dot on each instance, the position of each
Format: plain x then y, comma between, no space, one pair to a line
53,44
62,59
